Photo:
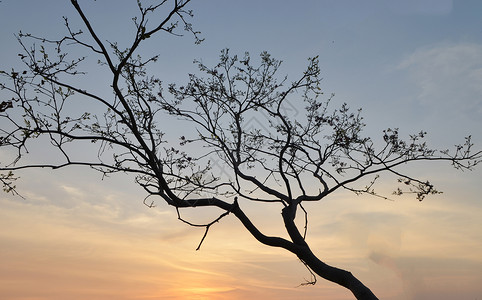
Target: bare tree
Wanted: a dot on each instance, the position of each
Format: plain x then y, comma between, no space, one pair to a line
281,160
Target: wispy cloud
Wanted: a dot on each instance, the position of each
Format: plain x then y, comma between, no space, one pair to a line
425,277
425,7
449,77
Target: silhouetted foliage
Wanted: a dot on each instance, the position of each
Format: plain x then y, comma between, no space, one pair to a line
240,113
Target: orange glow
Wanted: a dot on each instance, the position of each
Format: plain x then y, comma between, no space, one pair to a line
120,250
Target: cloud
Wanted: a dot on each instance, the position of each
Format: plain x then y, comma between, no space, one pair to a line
422,7
425,277
449,77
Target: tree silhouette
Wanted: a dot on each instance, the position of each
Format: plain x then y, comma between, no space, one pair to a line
236,114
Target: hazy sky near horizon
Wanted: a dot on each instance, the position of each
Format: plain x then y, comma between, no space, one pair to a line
413,64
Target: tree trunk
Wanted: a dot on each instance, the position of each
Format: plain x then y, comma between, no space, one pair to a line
303,251
339,276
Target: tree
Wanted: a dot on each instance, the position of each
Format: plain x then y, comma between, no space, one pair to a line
278,161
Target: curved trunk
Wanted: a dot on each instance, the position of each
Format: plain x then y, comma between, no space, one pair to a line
300,248
303,251
339,276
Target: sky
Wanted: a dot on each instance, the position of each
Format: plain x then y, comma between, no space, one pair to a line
413,64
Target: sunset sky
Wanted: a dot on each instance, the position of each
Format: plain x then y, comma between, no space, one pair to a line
413,64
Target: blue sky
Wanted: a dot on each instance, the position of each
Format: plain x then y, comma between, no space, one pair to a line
408,64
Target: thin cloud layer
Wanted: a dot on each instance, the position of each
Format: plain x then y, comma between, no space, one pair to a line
449,77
